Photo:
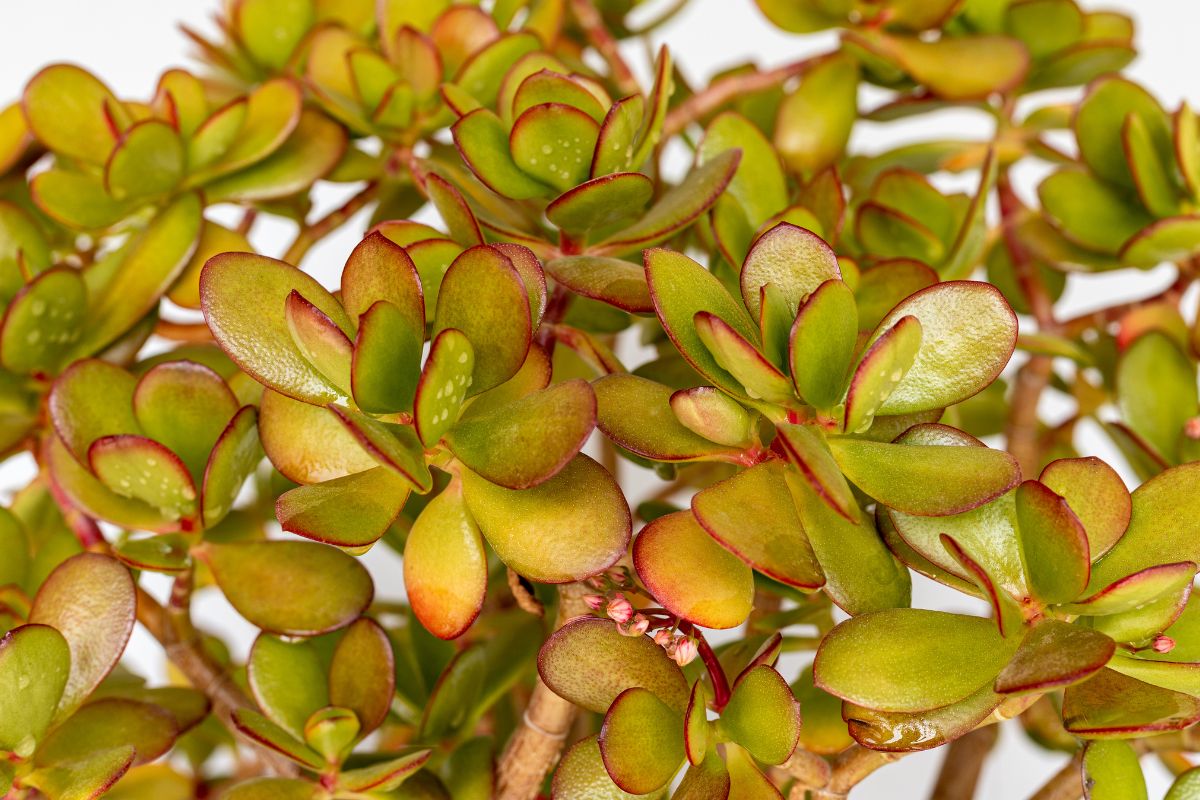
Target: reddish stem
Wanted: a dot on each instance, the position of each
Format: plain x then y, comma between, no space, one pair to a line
715,671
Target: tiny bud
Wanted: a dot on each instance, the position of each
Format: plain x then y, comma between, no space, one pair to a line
594,601
1191,428
618,575
635,627
619,609
685,652
1163,644
663,637
596,582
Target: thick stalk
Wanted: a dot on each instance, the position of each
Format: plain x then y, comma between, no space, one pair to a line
308,235
963,763
535,745
1066,784
808,770
851,768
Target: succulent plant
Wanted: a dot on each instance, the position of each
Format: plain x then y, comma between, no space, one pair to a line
815,369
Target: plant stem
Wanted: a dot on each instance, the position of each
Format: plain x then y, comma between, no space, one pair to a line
597,33
187,332
851,768
963,762
535,745
1066,784
308,235
809,770
722,91
716,672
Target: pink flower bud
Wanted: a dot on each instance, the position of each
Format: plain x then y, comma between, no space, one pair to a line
619,609
1191,428
635,627
663,637
618,575
685,652
594,601
1163,644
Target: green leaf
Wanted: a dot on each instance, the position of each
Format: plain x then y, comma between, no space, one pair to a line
676,209
752,515
714,415
793,259
394,446
42,322
318,338
1185,787
809,451
147,161
35,662
901,732
909,659
234,456
758,190
822,342
84,779
1171,239
553,143
814,121
271,29
352,511
526,442
1099,123
932,480
142,469
148,264
108,723
86,491
614,146
681,288
445,566
570,527
582,773
68,110
1111,771
314,148
1089,212
1154,180
706,780
609,280
641,741
288,681
762,715
1052,654
1136,590
1097,495
637,414
384,776
265,733
1112,705
749,367
746,779
307,443
696,727
1156,391
880,370
960,67
716,590
361,673
1054,545
600,202
379,269
482,140
968,334
272,789
589,662
293,588
483,296
457,690
386,360
443,385
89,599
186,407
243,297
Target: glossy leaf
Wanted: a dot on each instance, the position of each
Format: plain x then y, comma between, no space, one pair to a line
1096,494
641,741
1054,653
445,566
362,674
1111,771
582,772
351,511
881,369
636,413
610,280
763,716
1111,705
35,663
288,681
307,443
791,258
1054,545
443,386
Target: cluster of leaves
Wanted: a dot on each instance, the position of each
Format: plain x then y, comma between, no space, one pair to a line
815,411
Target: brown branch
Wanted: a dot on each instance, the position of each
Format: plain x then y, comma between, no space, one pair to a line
963,763
535,745
1066,784
1103,317
726,89
809,772
597,33
851,768
187,332
308,235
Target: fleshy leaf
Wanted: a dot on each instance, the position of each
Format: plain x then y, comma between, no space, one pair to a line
716,590
968,334
265,733
582,773
445,566
553,143
1111,771
892,731
589,662
68,109
89,777
1054,546
106,723
293,588
524,443
763,715
1112,705
362,673
35,662
233,458
880,371
1052,654
90,600
482,140
641,741
386,360
42,321
794,259
600,202
394,446
288,680
821,344
752,515
1156,391
142,469
809,451
385,776
919,659
1134,591
736,355
610,280
565,529
238,292
308,443
933,480
322,343
351,511
696,727
379,269
636,414
184,406
444,383
1097,495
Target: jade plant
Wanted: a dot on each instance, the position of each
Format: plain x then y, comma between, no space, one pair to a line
608,464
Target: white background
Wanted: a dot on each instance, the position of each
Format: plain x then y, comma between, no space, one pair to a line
127,43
